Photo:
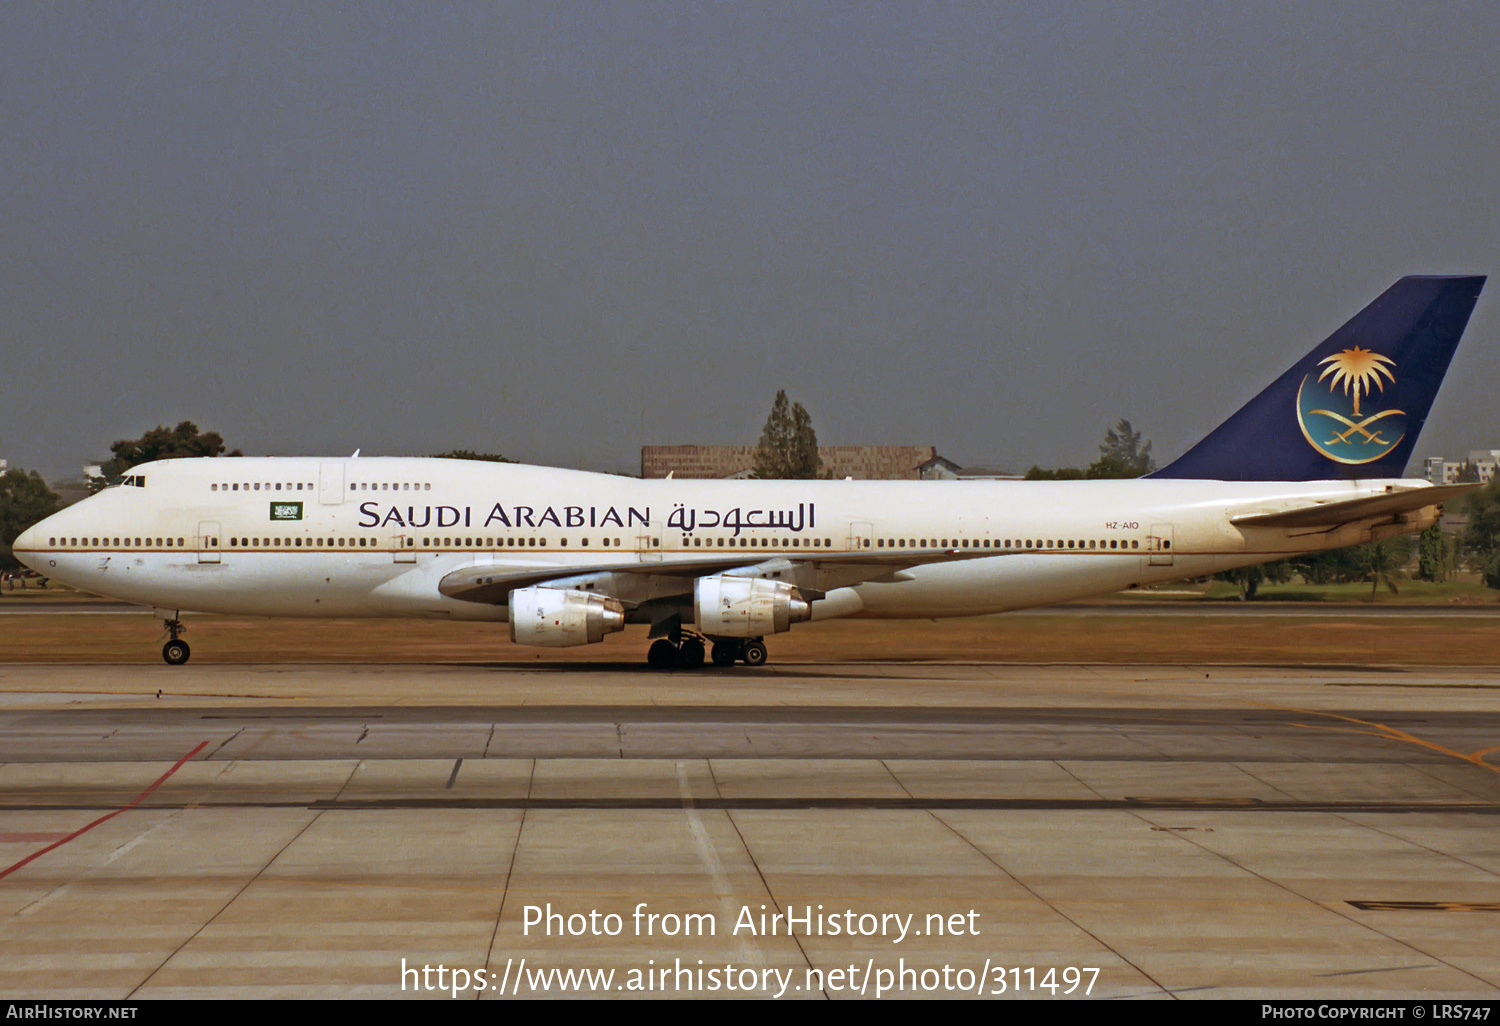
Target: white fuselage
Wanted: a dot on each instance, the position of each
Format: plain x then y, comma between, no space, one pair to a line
373,537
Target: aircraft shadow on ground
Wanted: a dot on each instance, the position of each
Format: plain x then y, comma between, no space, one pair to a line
800,672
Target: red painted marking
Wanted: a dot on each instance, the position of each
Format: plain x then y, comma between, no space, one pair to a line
107,816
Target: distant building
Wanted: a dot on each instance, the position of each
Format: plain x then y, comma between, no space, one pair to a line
988,474
939,468
1485,460
862,462
697,461
1440,471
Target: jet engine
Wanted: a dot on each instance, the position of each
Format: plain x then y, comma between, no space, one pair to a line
555,618
747,607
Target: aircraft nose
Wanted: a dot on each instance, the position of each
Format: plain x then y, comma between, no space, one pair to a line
28,544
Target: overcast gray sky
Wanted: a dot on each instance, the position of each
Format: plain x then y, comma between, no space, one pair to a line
562,231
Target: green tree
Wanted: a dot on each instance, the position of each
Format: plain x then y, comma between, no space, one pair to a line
1037,473
1385,562
1335,566
1248,578
160,443
1279,572
470,454
1434,554
1123,454
788,448
24,500
1481,538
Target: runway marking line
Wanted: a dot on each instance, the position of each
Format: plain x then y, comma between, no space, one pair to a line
1389,733
1427,906
107,816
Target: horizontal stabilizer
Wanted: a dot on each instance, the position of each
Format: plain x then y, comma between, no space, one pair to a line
1346,511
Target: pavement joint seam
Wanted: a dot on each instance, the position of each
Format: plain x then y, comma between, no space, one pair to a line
235,897
1055,910
729,815
1318,904
515,852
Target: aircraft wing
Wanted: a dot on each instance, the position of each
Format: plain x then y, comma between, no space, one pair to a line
493,582
1337,512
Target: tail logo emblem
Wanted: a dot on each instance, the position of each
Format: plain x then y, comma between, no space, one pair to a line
1329,413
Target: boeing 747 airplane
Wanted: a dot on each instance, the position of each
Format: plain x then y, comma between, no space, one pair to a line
1313,462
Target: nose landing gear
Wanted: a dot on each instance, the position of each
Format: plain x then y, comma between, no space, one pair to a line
175,652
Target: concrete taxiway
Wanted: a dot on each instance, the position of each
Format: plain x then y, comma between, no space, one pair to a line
934,829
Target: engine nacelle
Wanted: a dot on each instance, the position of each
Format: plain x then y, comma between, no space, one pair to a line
747,607
557,619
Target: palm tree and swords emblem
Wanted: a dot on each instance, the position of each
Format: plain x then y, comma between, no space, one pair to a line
1352,375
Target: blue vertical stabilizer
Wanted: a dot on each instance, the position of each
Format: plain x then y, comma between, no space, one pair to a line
1354,406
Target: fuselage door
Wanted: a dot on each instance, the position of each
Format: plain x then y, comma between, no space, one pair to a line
208,541
405,548
648,544
1160,543
331,484
861,535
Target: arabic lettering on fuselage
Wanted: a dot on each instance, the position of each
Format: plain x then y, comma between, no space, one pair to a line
688,519
372,514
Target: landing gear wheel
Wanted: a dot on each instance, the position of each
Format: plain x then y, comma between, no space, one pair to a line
176,652
690,655
662,655
755,653
725,654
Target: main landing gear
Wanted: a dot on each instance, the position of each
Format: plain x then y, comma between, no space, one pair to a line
686,650
175,652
